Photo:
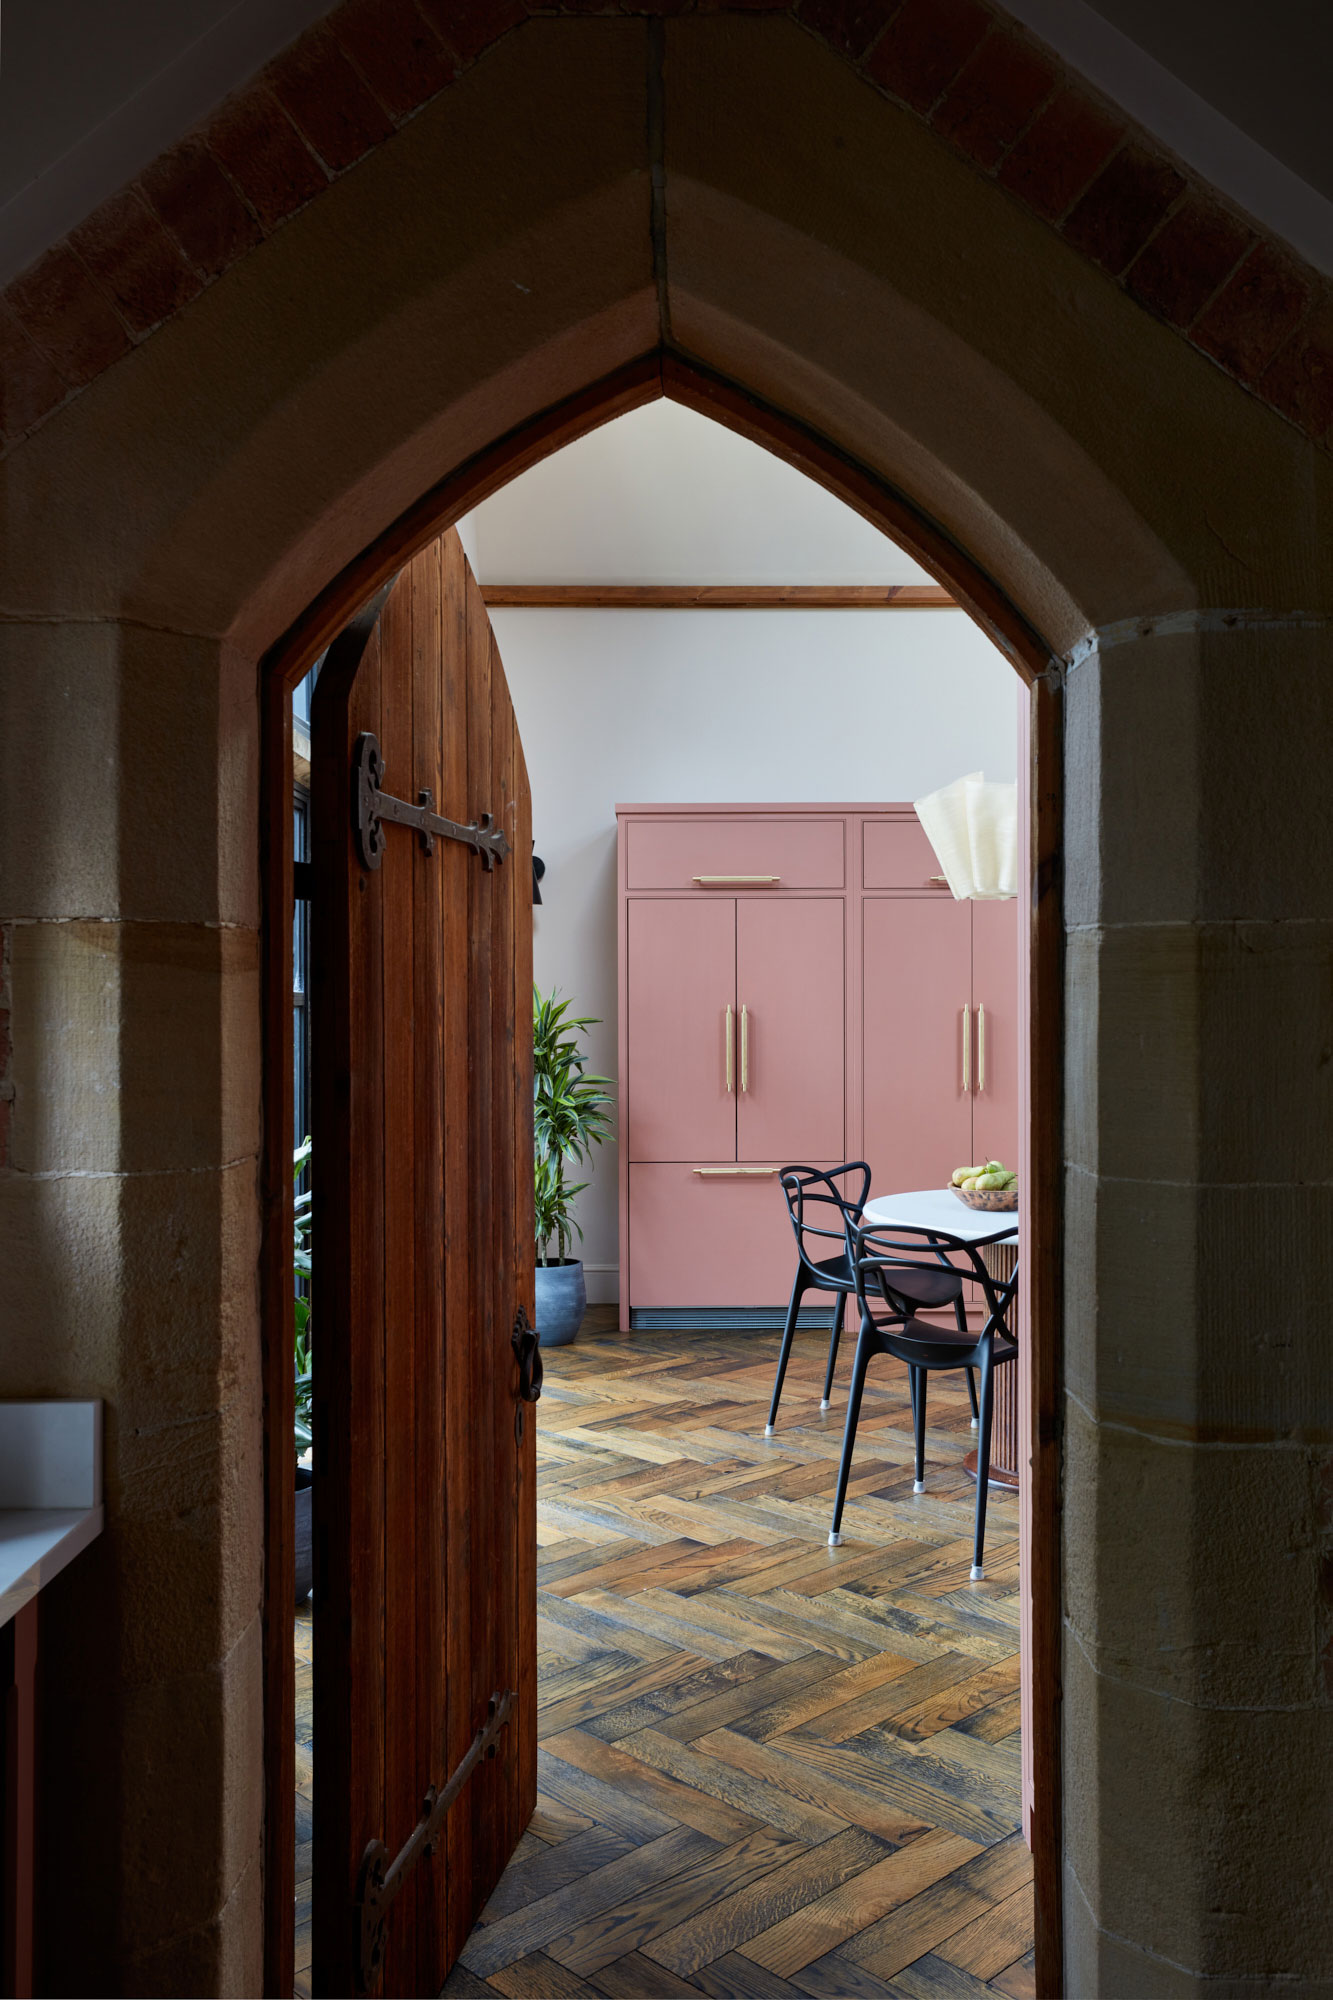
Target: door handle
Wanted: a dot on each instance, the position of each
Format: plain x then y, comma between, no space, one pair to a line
981,1050
745,1048
727,1035
967,1050
526,1346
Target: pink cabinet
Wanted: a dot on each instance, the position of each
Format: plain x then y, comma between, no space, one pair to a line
795,986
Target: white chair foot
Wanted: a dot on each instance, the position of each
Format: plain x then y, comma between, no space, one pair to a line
834,1540
918,1486
975,1422
768,1430
978,1573
824,1403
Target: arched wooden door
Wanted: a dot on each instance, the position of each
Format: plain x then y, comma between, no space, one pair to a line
425,1513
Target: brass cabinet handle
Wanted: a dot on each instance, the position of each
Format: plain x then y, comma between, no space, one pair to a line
731,1173
745,1048
937,881
725,881
727,1032
981,1050
967,1050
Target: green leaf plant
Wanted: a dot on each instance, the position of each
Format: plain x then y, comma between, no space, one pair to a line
570,1117
301,1263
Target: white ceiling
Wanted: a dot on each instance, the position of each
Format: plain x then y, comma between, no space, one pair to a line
91,90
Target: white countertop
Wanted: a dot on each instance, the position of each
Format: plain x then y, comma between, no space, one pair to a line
50,1493
940,1209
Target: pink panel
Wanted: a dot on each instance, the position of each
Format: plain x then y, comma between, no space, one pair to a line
897,855
700,1240
682,977
918,983
996,1104
791,984
668,854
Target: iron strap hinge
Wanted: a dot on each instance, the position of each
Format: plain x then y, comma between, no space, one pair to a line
371,807
381,1879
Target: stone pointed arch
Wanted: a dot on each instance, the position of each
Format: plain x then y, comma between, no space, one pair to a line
592,190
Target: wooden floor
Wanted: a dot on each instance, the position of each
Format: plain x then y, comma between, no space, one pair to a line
768,1767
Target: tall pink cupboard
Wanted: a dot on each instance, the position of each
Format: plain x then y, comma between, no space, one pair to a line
796,985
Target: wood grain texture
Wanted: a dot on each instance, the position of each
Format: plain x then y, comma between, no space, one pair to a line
771,1789
719,596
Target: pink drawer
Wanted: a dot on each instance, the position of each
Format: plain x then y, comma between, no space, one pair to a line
708,1239
896,855
671,854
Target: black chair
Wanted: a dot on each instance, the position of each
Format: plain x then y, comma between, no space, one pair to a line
821,1213
888,1326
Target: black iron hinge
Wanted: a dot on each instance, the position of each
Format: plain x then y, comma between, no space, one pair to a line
371,806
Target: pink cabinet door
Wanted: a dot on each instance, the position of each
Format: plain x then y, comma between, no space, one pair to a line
791,1000
706,1239
917,990
681,981
996,1095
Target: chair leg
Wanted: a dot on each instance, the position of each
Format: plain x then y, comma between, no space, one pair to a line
784,1352
960,1314
858,1382
919,1414
835,1332
983,1469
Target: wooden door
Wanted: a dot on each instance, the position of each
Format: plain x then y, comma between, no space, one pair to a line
997,1095
791,1000
917,971
424,1496
680,1024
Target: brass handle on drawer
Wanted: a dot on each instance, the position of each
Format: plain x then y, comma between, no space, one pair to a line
731,1173
981,1050
967,1050
745,1048
728,1036
731,881
937,881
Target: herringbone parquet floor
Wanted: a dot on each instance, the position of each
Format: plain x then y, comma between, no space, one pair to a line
767,1767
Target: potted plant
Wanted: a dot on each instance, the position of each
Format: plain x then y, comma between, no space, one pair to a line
569,1118
304,1477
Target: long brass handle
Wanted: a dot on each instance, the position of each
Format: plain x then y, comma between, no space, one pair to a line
731,1173
725,881
728,1036
937,881
745,1048
967,1050
981,1050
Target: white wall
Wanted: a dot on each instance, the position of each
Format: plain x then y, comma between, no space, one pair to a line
634,707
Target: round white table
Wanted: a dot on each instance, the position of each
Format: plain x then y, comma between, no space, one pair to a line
994,1235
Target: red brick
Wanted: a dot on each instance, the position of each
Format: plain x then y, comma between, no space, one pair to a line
1299,379
135,261
848,26
994,96
256,144
326,100
188,190
468,27
1193,252
72,322
400,57
925,46
30,386
1254,312
1123,206
1066,145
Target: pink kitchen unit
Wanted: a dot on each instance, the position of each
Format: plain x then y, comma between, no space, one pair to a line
796,985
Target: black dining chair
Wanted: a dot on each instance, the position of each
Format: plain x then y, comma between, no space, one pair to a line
878,1254
822,1213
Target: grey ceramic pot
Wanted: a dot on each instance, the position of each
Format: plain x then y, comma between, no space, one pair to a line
305,1561
561,1302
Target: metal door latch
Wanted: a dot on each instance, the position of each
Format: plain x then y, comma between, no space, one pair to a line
371,807
526,1346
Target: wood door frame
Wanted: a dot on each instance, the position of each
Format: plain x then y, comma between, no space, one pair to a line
654,375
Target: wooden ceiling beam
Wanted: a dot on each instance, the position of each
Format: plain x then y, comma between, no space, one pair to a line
719,596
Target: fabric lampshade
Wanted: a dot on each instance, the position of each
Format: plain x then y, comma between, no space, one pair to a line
973,828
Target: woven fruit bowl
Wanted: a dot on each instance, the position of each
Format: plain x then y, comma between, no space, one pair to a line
994,1201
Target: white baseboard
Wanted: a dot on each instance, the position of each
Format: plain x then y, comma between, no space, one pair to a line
602,1282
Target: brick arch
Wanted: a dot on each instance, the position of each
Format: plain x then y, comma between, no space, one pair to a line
988,89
